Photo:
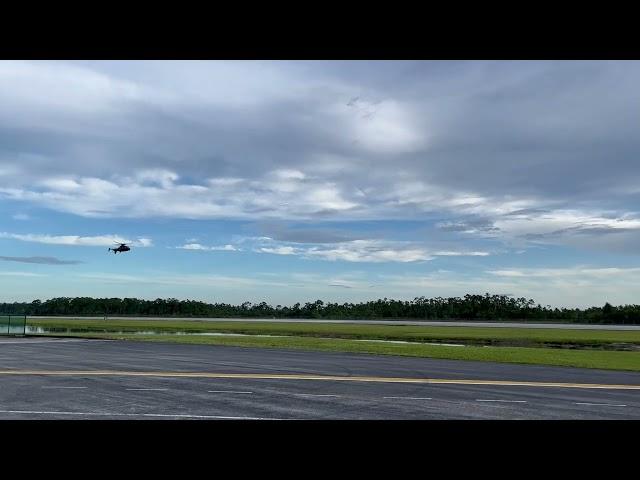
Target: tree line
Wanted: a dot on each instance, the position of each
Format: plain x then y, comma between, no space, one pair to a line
469,307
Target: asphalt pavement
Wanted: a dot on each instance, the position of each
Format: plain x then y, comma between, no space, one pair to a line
57,378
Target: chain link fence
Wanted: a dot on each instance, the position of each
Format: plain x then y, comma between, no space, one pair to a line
13,324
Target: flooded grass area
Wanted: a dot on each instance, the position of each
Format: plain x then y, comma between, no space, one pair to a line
463,335
12,324
71,331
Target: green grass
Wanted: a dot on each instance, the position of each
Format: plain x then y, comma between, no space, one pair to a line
472,335
611,360
581,348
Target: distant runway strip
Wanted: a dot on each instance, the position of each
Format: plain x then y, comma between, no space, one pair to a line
333,378
570,326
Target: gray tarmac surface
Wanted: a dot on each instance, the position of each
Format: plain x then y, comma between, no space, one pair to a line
49,378
574,326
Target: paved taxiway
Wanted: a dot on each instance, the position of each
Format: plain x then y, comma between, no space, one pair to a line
45,378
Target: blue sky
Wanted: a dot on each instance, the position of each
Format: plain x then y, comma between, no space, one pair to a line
344,181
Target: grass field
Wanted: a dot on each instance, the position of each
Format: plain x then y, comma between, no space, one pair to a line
562,347
533,337
602,359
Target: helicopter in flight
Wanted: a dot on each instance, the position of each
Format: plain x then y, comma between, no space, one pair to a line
122,247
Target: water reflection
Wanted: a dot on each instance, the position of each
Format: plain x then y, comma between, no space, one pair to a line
31,330
12,325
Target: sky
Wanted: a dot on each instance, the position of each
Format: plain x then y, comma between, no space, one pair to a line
346,181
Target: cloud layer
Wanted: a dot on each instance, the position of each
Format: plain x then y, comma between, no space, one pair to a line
325,137
40,260
97,241
473,143
395,164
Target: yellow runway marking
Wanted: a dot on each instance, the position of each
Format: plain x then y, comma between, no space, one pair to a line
332,378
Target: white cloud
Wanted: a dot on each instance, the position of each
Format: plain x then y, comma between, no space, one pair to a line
61,184
558,220
385,127
288,174
224,182
197,246
22,274
280,250
574,272
193,246
161,178
374,251
507,273
158,193
449,253
96,241
369,251
142,242
353,251
290,140
61,86
291,194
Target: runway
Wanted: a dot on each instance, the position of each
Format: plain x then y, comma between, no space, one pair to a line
48,378
570,326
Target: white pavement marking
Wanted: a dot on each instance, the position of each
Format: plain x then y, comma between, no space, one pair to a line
147,389
107,414
22,342
411,398
506,401
227,391
601,404
63,387
314,395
